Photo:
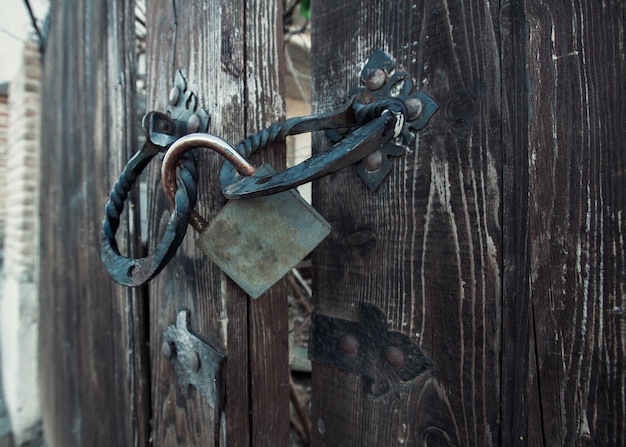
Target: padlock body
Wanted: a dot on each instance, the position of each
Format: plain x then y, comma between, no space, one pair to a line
257,241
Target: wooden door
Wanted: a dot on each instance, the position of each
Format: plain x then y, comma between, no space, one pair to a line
497,242
92,363
232,54
496,245
104,378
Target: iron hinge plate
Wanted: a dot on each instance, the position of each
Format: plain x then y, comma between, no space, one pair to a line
384,358
195,362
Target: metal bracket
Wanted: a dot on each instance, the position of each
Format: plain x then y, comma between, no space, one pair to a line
382,357
380,83
195,362
183,107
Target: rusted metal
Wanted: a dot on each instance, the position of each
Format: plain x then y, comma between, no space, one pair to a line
363,130
384,358
196,363
257,241
161,131
201,141
381,83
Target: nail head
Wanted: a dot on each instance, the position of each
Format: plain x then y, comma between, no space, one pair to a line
394,356
413,108
193,123
373,161
375,79
193,360
348,344
174,96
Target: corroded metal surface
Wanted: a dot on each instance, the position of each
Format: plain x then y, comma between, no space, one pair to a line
257,241
384,358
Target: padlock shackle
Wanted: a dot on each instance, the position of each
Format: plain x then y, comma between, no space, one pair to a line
187,143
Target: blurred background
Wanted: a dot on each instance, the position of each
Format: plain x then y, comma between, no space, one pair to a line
22,23
16,27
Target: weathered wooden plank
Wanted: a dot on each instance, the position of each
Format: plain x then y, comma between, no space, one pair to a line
433,265
576,163
516,418
238,84
268,315
91,332
184,36
511,262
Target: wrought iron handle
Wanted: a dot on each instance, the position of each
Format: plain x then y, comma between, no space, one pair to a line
183,116
380,128
362,142
374,129
137,271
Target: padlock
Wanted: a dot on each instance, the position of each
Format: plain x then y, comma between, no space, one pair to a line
254,241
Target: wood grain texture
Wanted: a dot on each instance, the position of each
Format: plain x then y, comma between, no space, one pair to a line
90,369
434,265
238,84
498,238
576,163
268,315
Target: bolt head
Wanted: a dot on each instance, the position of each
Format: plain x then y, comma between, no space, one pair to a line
375,79
174,96
193,361
373,161
394,356
348,344
414,108
193,123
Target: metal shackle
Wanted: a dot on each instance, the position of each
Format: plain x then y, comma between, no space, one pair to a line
180,147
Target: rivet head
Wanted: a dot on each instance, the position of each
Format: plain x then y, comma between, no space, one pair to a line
413,108
166,350
394,356
174,96
348,344
375,79
193,123
193,361
164,126
373,161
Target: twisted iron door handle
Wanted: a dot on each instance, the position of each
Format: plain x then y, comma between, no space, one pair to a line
134,272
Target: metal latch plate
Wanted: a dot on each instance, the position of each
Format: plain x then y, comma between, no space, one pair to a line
196,363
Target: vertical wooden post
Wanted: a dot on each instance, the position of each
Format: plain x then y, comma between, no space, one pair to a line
90,330
497,241
576,161
231,53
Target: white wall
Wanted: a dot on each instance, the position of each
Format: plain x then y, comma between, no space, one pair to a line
19,307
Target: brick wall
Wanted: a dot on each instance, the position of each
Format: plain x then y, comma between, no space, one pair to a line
19,305
4,125
21,172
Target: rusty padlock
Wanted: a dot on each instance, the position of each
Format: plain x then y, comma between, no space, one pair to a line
254,241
